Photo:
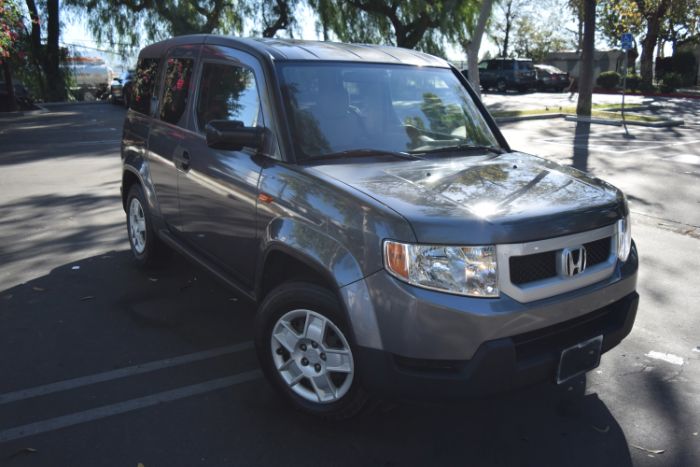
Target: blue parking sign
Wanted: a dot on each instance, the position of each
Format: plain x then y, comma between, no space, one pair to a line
626,41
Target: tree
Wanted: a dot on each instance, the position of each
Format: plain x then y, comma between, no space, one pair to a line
420,24
46,57
585,86
657,20
114,21
472,44
10,25
509,11
533,41
276,16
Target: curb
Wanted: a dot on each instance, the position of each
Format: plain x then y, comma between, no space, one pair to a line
528,117
56,104
603,121
682,95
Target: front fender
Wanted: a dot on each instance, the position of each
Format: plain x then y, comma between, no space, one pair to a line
328,256
324,253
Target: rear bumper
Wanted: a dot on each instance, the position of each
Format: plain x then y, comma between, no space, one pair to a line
498,365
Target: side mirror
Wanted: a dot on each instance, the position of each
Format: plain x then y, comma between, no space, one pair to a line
233,136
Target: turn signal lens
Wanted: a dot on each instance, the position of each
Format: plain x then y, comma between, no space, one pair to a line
396,258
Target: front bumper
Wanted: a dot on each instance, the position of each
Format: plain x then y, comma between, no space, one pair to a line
455,345
498,365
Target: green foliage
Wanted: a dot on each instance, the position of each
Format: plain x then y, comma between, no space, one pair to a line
608,79
535,40
670,82
646,87
118,22
685,64
419,24
634,82
10,29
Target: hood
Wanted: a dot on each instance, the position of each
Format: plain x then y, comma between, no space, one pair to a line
487,199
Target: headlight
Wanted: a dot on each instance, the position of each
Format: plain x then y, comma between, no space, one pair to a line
624,238
464,270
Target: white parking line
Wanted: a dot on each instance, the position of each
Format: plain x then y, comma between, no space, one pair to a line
121,373
126,406
568,141
666,357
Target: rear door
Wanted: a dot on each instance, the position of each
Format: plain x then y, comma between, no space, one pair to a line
218,194
169,140
138,118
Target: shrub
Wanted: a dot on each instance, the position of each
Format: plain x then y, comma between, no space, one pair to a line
634,81
685,65
647,87
670,82
608,79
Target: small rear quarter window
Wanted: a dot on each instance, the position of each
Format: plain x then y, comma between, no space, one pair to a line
143,86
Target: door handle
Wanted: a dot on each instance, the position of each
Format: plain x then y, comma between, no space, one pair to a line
183,161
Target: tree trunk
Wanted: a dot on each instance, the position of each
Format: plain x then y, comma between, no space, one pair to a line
648,44
509,25
585,83
11,99
37,55
54,76
474,44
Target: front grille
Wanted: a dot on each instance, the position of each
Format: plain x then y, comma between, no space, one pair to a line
597,252
540,266
531,268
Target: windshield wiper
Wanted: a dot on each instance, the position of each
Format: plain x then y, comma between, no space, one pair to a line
460,147
364,152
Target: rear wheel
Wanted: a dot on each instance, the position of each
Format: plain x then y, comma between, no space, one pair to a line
145,244
305,350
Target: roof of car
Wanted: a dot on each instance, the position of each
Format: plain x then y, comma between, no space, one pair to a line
291,49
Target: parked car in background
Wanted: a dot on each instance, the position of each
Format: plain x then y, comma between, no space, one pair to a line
120,89
507,73
551,78
366,201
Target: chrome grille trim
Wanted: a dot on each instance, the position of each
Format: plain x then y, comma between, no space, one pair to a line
546,288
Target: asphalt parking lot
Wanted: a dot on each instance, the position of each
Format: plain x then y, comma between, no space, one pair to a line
102,363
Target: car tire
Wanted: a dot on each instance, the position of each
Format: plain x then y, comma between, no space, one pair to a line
300,330
146,247
501,85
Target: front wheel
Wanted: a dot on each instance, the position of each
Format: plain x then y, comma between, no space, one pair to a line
305,351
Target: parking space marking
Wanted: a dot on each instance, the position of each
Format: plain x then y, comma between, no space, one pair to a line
644,144
121,373
65,421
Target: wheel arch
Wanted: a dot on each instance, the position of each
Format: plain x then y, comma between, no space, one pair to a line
323,261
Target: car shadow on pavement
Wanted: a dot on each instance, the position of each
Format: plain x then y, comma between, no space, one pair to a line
102,313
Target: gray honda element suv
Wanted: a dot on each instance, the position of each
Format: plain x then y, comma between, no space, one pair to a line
367,202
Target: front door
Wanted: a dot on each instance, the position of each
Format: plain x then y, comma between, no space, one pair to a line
218,194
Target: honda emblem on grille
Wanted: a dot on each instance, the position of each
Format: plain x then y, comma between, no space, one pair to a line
572,261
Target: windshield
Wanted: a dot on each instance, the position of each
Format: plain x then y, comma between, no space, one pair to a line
337,107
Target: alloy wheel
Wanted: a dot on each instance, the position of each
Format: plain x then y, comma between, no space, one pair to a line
312,356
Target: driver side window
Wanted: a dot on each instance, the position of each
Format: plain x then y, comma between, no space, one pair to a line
228,92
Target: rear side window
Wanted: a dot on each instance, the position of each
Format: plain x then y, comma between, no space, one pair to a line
144,82
178,76
494,65
228,92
